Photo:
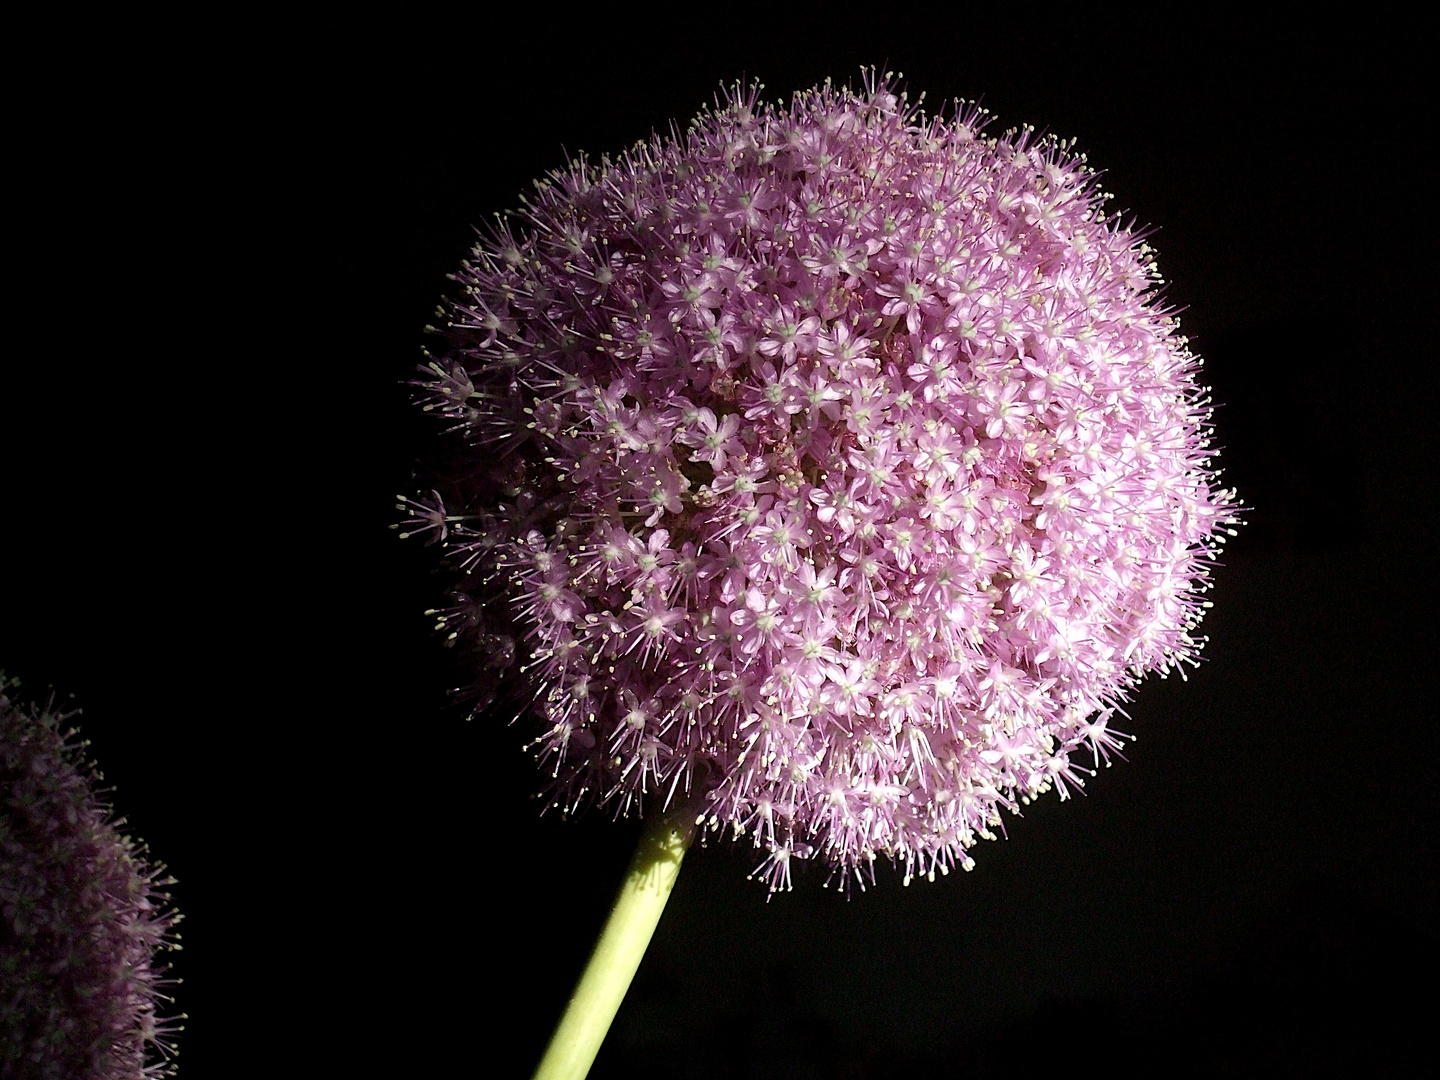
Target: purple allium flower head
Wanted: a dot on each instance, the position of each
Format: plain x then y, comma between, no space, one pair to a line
833,463
83,916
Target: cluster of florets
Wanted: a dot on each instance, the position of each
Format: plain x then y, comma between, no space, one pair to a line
835,465
83,916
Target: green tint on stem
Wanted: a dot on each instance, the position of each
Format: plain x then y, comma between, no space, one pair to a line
622,943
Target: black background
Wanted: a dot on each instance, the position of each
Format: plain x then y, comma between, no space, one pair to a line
226,242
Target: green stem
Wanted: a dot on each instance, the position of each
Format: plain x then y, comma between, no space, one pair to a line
622,943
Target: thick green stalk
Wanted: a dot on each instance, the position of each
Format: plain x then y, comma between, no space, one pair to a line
622,943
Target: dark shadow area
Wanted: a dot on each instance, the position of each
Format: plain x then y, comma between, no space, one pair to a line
1281,432
1309,985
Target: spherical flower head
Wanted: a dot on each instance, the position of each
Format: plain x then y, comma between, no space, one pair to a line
831,463
83,917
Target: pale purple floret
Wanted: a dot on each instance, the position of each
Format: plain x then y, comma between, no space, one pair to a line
842,469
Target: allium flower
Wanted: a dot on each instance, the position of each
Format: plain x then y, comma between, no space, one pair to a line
83,916
834,464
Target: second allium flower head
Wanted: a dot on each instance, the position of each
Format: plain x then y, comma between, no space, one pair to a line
84,916
832,464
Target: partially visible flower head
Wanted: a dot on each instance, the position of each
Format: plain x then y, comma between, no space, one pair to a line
834,462
83,917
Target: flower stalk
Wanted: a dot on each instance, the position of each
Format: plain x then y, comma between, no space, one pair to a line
622,944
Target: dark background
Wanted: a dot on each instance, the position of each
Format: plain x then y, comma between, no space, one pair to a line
227,241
